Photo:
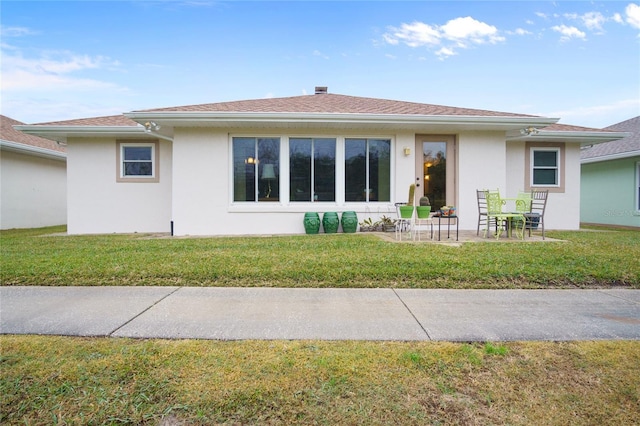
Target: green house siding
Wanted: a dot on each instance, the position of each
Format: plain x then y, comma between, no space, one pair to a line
609,192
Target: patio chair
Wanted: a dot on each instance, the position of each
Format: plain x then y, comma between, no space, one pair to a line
503,220
482,209
535,216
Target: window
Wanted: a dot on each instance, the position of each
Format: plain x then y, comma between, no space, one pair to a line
137,162
256,169
545,167
312,169
367,170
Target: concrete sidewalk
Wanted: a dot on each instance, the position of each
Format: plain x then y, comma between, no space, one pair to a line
325,314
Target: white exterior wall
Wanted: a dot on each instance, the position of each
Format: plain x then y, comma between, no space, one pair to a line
33,191
203,192
98,204
563,209
482,164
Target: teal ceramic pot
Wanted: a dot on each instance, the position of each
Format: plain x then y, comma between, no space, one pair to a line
330,222
349,222
311,223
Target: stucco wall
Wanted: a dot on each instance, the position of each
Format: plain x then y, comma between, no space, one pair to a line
33,191
99,204
609,191
202,188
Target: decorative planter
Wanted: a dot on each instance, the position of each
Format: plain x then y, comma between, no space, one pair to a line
406,212
311,223
330,222
423,212
349,222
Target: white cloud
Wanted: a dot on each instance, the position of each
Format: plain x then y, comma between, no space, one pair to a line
520,32
413,35
593,20
598,116
320,54
15,31
569,32
633,15
390,56
52,71
459,33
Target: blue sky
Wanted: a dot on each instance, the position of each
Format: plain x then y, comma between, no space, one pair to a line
579,61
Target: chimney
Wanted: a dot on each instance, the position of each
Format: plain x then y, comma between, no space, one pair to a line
321,90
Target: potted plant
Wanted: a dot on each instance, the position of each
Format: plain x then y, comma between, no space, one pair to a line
388,224
406,212
424,209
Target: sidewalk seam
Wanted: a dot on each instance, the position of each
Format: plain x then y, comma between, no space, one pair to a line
604,291
412,314
110,334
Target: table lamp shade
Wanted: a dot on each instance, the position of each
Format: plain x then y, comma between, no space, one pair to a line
268,171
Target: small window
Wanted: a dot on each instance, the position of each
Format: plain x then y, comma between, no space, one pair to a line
137,162
545,170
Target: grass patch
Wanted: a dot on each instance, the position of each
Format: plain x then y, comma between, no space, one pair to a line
586,259
47,380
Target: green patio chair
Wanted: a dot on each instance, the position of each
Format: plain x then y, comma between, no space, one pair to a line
504,220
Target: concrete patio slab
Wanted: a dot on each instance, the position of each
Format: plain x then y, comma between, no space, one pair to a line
74,311
501,315
277,313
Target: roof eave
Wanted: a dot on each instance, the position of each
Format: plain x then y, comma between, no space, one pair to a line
61,134
609,157
32,150
204,118
581,137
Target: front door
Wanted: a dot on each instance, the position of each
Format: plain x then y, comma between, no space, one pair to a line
435,169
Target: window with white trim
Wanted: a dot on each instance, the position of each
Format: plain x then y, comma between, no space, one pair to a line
312,169
256,169
137,161
367,169
545,167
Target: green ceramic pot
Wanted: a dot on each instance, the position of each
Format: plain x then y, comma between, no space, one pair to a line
311,223
423,212
330,222
406,212
349,222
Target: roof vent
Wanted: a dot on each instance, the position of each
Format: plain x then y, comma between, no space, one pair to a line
321,90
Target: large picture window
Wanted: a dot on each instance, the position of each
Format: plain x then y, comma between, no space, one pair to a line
545,167
137,161
312,169
367,170
256,169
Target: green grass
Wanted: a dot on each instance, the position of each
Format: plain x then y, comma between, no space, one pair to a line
62,380
583,259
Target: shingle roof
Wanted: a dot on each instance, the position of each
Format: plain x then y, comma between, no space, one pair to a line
111,120
332,103
8,133
629,144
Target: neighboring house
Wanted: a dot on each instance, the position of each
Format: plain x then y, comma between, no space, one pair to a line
33,181
256,166
610,179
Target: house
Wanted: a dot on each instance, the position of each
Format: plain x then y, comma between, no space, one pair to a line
610,179
256,166
33,179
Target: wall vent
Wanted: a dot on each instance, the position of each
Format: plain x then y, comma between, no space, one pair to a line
321,90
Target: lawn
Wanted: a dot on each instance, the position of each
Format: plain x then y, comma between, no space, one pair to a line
582,259
67,380
63,380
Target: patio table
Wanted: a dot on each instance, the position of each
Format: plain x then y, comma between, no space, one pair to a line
440,217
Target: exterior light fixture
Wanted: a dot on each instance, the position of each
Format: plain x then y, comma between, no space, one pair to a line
407,151
151,126
528,131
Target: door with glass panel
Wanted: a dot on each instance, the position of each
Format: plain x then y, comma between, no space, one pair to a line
435,169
